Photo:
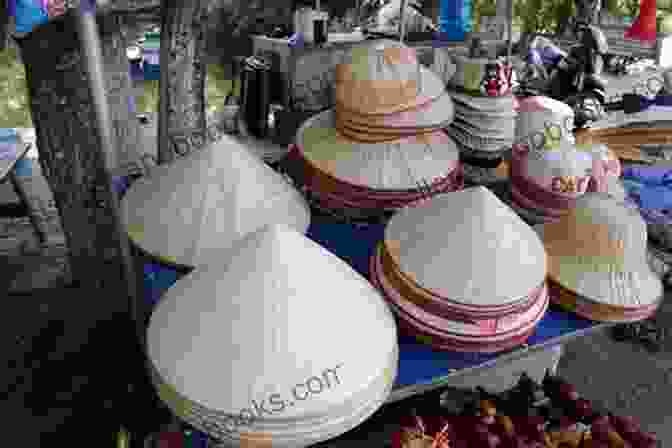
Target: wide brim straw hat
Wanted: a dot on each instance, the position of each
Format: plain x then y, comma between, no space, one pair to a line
402,164
384,77
598,251
201,204
468,246
223,354
431,115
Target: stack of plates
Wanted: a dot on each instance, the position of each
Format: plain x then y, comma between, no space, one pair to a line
462,272
233,352
383,146
191,210
597,261
483,126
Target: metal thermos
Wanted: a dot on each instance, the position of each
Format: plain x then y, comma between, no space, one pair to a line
255,95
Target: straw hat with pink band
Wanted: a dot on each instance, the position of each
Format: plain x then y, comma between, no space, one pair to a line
598,252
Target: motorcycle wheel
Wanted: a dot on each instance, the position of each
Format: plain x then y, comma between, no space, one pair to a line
588,107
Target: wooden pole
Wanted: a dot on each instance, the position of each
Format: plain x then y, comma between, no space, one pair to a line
402,20
91,52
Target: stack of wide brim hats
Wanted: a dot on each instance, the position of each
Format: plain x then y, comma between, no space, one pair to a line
199,205
233,353
548,172
463,272
597,261
383,146
483,126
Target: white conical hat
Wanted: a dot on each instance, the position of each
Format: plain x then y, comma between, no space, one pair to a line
278,310
207,201
467,246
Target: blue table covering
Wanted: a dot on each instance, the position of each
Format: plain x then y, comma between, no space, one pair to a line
418,363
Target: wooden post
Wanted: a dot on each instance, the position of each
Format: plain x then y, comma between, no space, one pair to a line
402,20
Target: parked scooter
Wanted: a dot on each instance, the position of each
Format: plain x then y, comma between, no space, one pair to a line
572,77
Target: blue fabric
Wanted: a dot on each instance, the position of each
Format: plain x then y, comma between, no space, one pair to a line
649,175
649,186
455,18
655,197
418,363
29,14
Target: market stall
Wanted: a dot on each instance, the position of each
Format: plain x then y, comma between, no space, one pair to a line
250,284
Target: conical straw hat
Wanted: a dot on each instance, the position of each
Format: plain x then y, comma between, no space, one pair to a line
238,331
598,250
203,203
467,246
397,165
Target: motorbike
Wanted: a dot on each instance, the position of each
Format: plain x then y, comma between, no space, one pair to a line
572,77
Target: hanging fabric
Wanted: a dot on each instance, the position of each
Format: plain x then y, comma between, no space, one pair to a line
644,28
27,14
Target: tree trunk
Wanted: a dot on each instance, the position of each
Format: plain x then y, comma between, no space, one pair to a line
182,120
97,312
65,124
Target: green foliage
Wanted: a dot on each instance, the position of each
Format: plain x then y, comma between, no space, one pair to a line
482,8
541,16
14,107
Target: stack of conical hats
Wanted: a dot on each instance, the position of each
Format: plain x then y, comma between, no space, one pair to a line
463,272
597,261
261,349
548,171
383,146
185,212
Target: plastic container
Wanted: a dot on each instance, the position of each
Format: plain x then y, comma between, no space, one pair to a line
455,19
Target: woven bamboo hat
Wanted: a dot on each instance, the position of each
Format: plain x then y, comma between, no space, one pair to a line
238,331
598,250
468,246
201,204
384,77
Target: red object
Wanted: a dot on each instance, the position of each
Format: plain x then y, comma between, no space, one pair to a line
644,28
170,439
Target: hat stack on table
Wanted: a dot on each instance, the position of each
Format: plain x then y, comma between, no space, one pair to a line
463,272
548,172
279,344
201,204
485,113
383,146
597,261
